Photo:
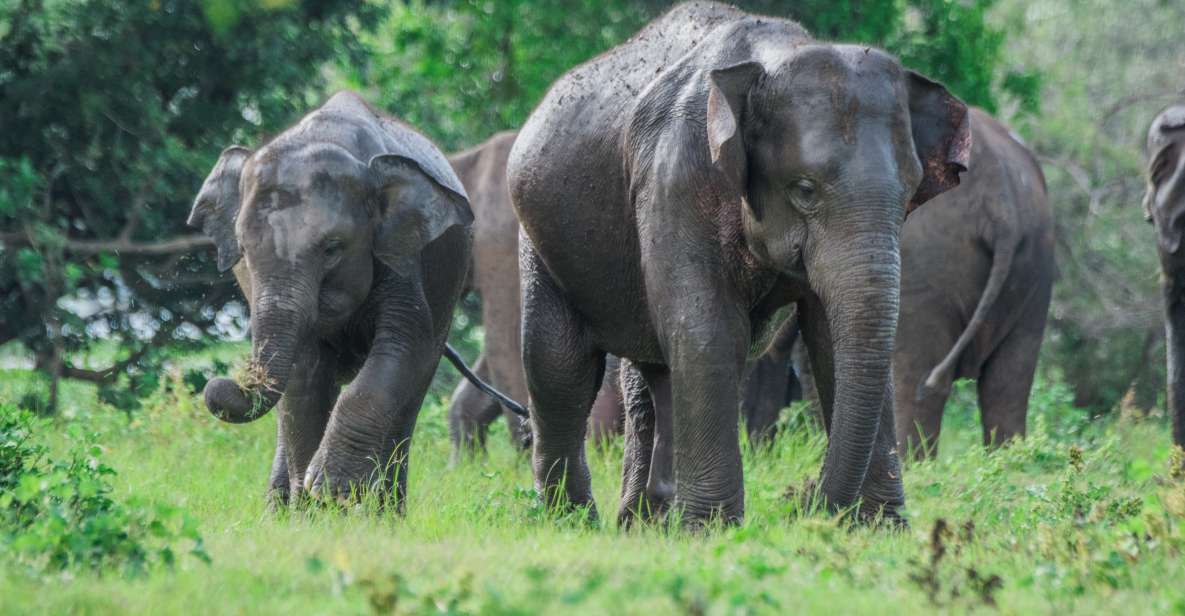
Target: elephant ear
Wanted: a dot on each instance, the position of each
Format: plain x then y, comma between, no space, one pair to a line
941,137
419,204
217,205
728,92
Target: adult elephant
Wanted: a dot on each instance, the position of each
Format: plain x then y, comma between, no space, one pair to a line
977,270
350,235
678,195
494,275
1164,206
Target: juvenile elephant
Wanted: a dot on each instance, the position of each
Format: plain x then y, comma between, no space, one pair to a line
351,236
977,270
482,170
1164,206
679,195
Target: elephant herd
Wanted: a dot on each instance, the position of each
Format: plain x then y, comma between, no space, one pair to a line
717,215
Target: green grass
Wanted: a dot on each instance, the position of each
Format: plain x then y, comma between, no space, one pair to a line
1080,517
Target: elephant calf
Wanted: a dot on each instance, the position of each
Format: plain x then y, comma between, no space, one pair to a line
351,236
1164,206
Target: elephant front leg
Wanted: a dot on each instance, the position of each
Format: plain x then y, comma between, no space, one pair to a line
470,414
304,411
705,384
279,488
1174,298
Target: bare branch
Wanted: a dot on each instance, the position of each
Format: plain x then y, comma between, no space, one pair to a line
184,243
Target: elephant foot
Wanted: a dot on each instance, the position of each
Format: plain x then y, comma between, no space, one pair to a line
645,506
346,479
696,514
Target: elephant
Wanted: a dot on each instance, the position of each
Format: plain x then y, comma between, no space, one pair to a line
977,273
1164,207
349,235
977,270
683,194
482,171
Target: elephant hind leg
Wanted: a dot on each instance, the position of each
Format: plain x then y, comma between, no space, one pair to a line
563,372
470,415
919,419
647,482
1004,386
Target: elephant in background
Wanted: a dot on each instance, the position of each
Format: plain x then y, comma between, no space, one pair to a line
349,235
494,272
1164,207
680,196
977,271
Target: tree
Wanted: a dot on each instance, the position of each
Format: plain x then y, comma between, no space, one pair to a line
113,112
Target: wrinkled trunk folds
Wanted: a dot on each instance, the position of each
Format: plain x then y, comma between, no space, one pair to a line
860,297
278,324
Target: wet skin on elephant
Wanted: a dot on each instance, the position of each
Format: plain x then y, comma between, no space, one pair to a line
494,275
680,196
349,235
1164,206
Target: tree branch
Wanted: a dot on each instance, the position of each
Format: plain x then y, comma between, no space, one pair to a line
184,243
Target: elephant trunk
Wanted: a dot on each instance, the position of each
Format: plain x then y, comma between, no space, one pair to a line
860,299
279,322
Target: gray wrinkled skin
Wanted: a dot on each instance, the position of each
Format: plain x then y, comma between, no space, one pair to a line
681,196
351,235
977,270
1164,206
482,170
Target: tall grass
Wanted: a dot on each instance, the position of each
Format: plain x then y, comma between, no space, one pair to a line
1081,516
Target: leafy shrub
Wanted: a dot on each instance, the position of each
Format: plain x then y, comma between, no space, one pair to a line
57,514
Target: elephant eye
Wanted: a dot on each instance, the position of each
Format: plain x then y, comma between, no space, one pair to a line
333,247
803,194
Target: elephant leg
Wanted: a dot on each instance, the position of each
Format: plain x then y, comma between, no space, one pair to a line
278,486
304,409
1006,379
648,482
608,412
1175,349
563,374
470,414
766,383
919,421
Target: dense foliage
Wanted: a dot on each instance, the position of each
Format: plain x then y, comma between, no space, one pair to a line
115,110
462,70
112,114
58,513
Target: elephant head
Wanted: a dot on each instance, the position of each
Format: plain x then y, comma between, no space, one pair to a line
827,153
313,224
1164,199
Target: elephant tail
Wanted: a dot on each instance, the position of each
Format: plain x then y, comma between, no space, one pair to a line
503,399
1001,265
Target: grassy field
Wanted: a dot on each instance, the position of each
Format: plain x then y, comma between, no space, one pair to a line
1081,517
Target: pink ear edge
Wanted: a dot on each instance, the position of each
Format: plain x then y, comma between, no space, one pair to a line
940,173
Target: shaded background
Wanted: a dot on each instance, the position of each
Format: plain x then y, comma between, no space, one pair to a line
112,112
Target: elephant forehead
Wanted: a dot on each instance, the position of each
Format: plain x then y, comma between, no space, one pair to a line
296,230
309,167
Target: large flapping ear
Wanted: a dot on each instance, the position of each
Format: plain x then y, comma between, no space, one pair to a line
1160,160
941,137
418,206
728,90
217,205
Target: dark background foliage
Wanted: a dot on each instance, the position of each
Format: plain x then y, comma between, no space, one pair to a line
113,112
